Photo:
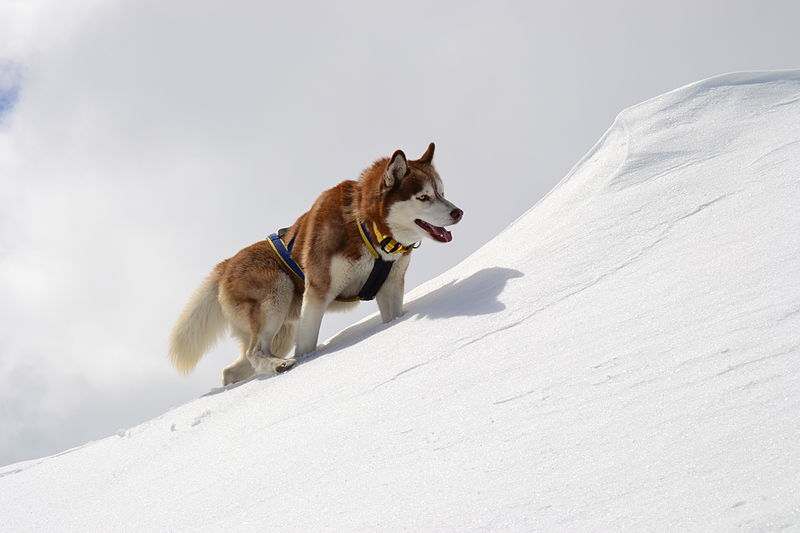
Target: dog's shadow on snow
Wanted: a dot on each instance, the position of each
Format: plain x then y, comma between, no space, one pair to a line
473,296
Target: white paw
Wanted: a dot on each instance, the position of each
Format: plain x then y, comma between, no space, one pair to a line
269,365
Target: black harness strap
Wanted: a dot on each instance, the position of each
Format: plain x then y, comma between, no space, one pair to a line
380,271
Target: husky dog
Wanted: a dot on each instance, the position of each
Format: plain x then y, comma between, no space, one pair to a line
354,243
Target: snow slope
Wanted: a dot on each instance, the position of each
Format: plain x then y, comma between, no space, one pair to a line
625,356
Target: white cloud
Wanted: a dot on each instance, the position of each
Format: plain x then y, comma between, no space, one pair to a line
153,139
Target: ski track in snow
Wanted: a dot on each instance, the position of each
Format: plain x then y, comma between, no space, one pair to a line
624,357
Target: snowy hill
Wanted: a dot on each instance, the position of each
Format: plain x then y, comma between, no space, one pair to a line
625,356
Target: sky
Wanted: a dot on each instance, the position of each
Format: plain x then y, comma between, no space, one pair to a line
143,142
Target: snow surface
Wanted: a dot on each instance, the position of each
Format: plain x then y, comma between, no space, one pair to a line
625,356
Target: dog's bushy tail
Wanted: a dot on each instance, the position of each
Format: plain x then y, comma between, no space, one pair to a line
200,325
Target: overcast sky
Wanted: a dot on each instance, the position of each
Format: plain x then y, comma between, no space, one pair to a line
141,142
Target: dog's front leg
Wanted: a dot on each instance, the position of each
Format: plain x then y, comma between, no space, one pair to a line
390,303
390,297
314,306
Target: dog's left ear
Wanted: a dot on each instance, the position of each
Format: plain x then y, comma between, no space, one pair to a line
427,157
396,169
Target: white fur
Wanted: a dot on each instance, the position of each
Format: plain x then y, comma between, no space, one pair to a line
390,297
401,215
310,321
200,325
345,276
274,330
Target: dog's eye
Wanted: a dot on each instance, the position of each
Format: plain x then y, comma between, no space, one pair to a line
423,198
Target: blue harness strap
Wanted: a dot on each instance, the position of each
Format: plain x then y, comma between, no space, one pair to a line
285,254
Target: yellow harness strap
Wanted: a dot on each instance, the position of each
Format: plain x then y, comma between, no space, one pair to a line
362,230
388,244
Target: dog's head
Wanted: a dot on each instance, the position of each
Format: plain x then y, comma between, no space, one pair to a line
414,203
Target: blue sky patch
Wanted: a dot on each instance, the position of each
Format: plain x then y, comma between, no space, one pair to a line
10,81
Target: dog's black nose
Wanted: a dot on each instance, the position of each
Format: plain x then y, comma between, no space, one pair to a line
456,214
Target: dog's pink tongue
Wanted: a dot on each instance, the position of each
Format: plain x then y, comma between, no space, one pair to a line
440,234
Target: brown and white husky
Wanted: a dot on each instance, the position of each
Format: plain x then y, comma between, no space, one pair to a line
354,243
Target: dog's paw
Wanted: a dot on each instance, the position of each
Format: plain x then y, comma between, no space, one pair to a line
284,365
269,365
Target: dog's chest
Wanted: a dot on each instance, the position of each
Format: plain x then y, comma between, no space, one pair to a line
349,276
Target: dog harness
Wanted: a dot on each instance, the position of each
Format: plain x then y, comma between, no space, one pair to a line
380,267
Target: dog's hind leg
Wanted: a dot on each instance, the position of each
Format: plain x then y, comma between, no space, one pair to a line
283,341
259,352
267,318
240,370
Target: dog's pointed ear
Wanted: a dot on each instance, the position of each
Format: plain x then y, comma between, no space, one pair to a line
396,169
427,157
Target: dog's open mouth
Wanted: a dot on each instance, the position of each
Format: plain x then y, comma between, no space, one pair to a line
437,232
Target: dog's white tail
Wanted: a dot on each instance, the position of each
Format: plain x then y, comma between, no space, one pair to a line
199,326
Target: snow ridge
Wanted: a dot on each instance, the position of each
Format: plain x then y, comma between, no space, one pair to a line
623,357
